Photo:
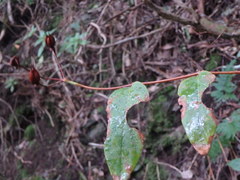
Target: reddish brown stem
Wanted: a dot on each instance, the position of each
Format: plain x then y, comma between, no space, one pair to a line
145,83
53,79
58,64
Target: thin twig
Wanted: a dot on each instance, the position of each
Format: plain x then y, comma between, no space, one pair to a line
221,147
103,36
93,46
95,145
103,11
9,12
224,155
75,156
210,169
169,165
21,159
122,12
55,60
50,117
203,23
169,16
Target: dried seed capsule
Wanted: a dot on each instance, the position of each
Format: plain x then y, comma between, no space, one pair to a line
50,41
15,61
34,76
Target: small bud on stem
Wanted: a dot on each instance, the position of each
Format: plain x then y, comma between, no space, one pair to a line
34,76
50,42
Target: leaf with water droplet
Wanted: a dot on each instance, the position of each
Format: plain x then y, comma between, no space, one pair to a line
198,120
123,145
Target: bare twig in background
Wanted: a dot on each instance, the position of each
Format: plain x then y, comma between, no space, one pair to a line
142,45
21,159
100,33
124,40
9,11
122,12
203,23
169,165
201,7
169,16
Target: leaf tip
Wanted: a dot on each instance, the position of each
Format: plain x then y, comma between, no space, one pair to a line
202,149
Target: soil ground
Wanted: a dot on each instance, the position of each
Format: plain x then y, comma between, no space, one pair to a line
57,132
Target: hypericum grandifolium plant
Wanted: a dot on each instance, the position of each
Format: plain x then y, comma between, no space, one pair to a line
123,145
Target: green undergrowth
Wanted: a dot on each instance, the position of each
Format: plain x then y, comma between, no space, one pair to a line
160,119
224,87
18,116
11,84
164,131
226,134
163,122
227,130
29,132
213,62
154,171
23,174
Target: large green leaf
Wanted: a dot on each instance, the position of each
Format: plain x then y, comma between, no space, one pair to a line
123,146
234,164
197,119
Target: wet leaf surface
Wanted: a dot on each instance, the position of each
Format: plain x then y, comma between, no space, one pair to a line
198,120
123,146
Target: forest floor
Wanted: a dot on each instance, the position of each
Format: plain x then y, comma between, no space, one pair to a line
57,132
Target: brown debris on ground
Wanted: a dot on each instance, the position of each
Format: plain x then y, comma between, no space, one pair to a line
58,132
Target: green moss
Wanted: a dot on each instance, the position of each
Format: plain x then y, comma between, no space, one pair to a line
153,171
159,106
37,178
55,22
29,132
19,112
174,141
213,62
22,173
161,121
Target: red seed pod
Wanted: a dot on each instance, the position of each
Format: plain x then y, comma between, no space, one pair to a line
15,61
50,41
34,76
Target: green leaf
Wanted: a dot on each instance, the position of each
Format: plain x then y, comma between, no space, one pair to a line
71,43
50,32
224,86
234,164
29,132
197,119
123,145
39,41
213,62
215,150
11,83
42,34
29,34
75,26
41,49
227,131
229,128
31,2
